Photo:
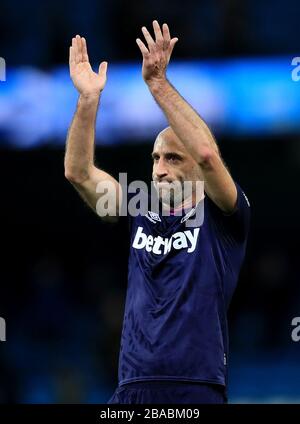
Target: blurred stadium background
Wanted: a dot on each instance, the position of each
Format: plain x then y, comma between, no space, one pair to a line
63,272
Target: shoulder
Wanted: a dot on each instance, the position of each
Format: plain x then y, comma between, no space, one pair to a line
238,221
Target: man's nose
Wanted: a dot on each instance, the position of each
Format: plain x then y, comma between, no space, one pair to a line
160,170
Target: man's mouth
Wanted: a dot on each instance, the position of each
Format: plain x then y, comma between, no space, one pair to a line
162,184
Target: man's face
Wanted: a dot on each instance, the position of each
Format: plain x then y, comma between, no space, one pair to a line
172,166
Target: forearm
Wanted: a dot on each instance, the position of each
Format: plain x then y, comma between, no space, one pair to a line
184,120
79,157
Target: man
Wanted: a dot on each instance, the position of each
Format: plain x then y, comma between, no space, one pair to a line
174,345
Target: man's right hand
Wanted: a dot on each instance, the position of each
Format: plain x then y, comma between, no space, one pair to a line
87,82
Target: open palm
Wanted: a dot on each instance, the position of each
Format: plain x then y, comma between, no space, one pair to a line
84,78
157,52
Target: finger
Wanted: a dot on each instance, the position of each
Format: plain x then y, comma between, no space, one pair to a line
79,49
85,56
143,48
149,39
166,33
74,49
172,44
71,58
158,34
102,69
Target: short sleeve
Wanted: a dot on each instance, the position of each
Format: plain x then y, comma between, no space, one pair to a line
237,223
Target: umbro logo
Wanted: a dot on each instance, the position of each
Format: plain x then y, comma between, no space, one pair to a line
153,217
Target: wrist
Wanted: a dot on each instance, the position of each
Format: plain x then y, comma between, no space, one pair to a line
155,84
89,98
88,102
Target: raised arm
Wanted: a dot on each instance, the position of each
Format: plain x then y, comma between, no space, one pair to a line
184,120
79,158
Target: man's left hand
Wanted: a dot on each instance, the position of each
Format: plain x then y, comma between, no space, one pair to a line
156,53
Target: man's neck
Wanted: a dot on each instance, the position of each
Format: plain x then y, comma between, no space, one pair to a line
188,203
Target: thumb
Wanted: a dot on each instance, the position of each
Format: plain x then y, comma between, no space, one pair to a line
102,69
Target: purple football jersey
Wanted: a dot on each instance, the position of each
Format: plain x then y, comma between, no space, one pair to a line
180,282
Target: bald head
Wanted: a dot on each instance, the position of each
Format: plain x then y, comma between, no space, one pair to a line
167,137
